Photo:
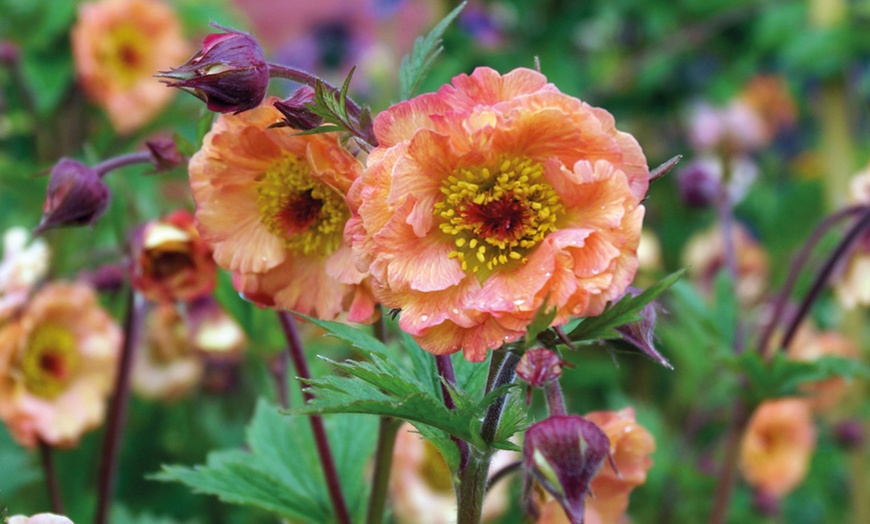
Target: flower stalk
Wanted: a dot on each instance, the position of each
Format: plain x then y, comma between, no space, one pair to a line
448,380
111,164
472,487
297,355
136,309
46,453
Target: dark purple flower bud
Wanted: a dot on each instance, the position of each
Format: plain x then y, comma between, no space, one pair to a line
850,434
109,277
165,154
230,73
699,185
640,334
76,196
295,112
766,503
539,367
563,454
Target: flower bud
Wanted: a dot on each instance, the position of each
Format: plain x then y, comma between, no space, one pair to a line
539,366
295,112
699,184
230,73
850,434
164,154
640,334
171,261
563,454
213,331
76,196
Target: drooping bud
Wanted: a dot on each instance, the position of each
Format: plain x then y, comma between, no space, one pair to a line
76,196
109,277
230,73
164,154
850,434
170,261
539,367
295,112
640,334
563,454
699,184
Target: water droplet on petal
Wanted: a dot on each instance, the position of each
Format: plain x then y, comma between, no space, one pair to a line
548,274
424,318
519,302
455,311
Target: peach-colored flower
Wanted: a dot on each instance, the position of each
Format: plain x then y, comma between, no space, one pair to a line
421,488
810,345
272,206
777,445
40,518
170,261
57,362
630,447
489,197
166,366
21,268
705,256
852,281
118,45
213,332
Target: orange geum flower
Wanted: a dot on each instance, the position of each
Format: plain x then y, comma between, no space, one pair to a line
809,345
272,206
41,518
777,445
21,268
170,261
489,197
118,46
57,362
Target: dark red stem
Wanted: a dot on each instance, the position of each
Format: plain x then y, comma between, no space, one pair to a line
140,157
136,307
45,453
297,355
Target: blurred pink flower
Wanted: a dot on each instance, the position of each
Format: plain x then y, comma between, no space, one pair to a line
165,365
57,363
489,197
272,206
40,518
705,256
118,46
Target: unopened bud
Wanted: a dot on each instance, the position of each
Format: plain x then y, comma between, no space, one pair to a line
164,154
699,184
230,73
539,367
640,333
76,196
563,454
296,113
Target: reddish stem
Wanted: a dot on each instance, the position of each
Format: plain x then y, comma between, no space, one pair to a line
294,345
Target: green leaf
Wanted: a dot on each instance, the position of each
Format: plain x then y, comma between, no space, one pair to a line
379,386
353,335
281,473
417,63
625,311
13,458
783,376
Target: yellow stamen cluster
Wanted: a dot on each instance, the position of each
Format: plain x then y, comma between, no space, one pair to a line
50,360
497,215
307,214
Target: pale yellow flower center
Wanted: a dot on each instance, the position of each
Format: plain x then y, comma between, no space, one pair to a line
124,55
50,360
308,215
497,214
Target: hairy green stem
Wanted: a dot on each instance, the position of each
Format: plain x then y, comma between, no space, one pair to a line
472,487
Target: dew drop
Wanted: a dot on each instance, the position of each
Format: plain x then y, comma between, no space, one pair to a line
424,318
455,311
519,302
548,274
